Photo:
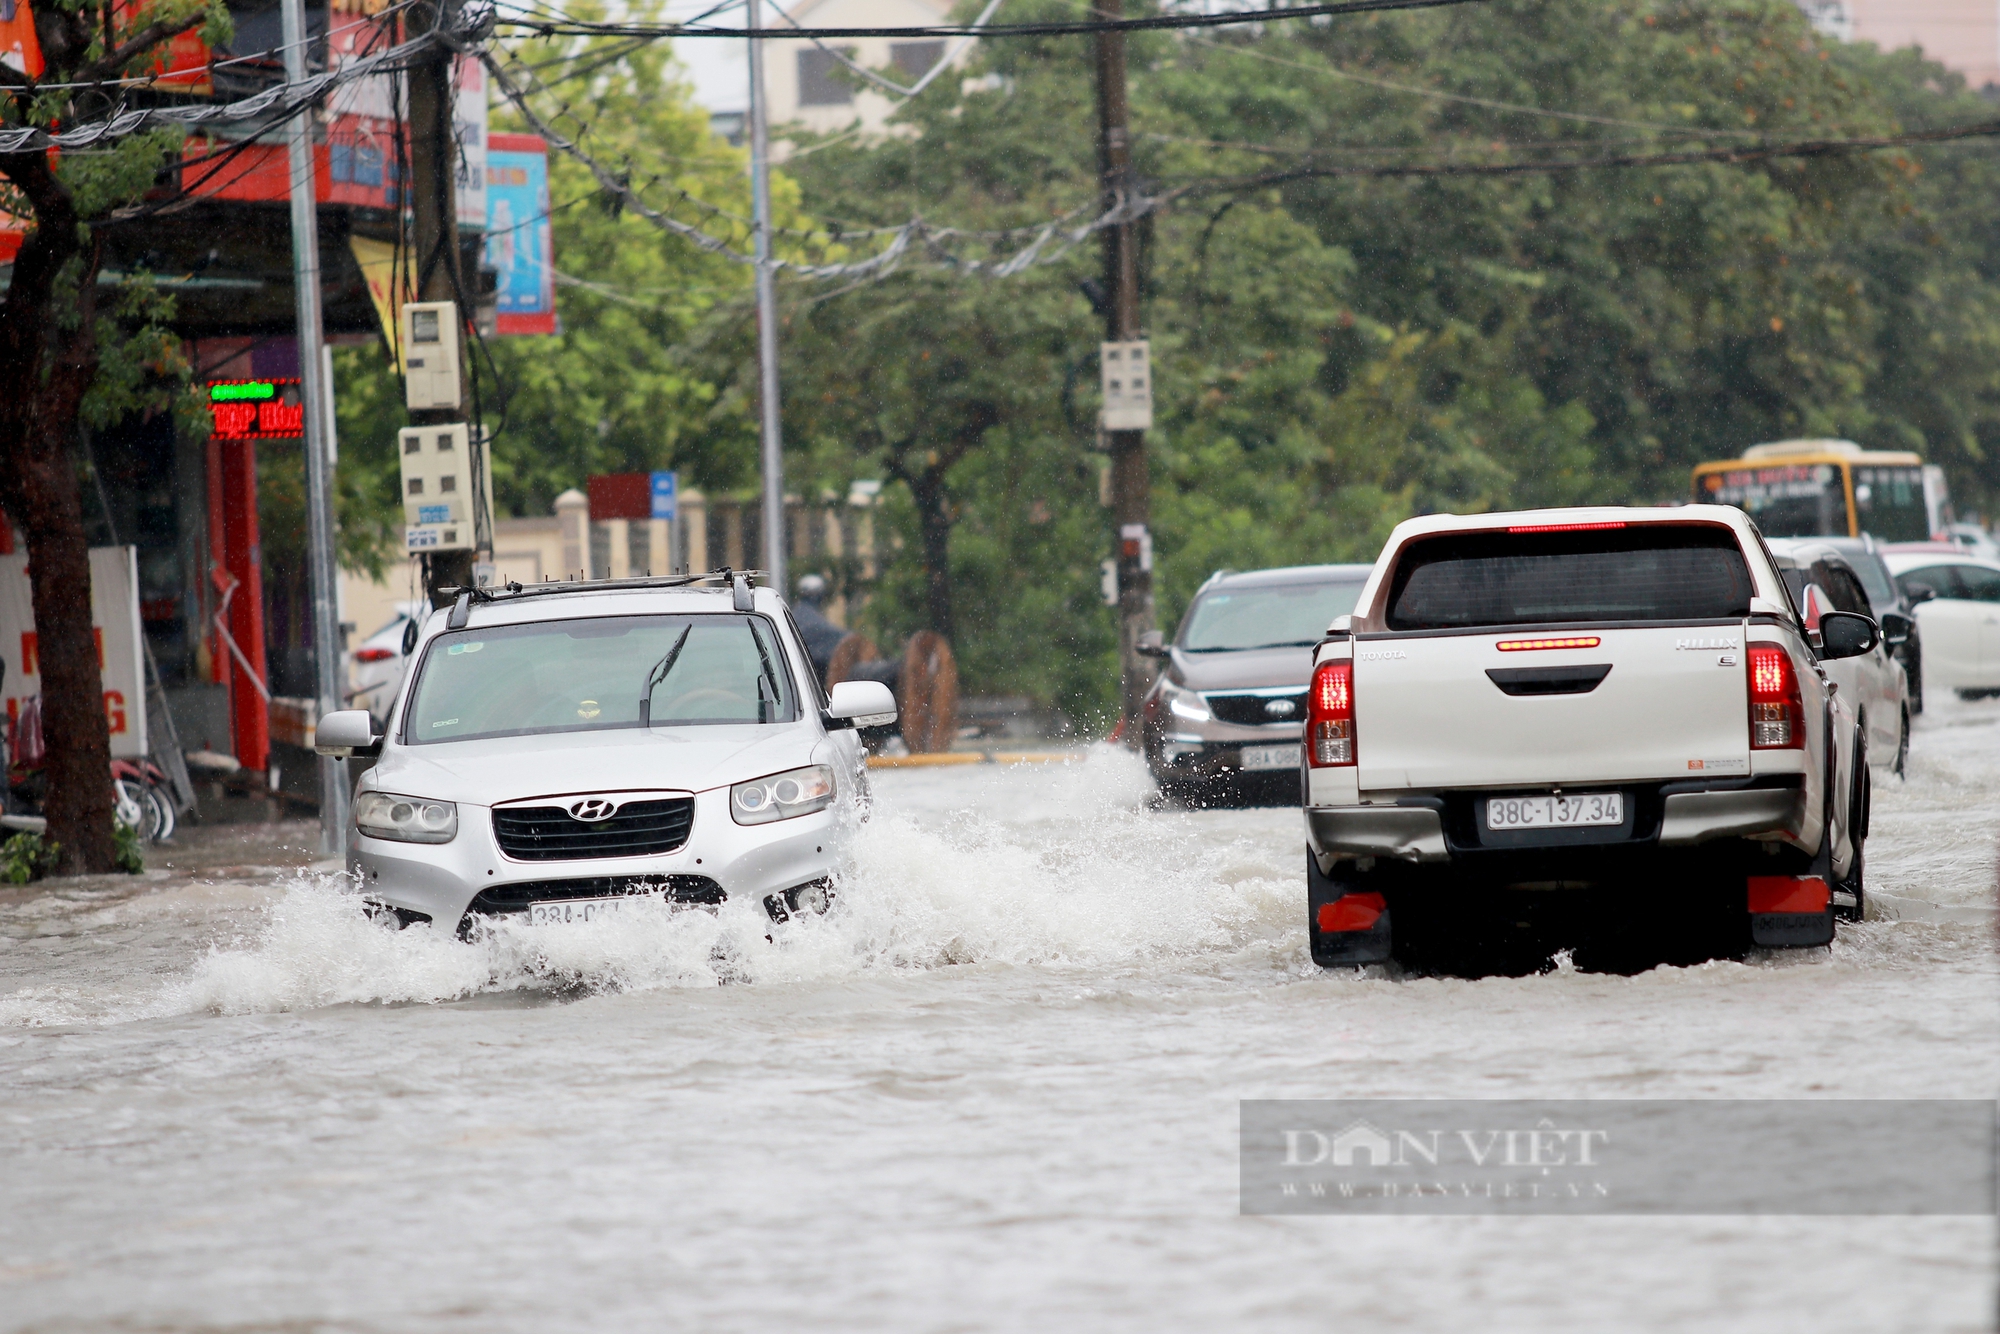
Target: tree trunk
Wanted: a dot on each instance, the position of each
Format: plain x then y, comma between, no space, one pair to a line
46,364
934,525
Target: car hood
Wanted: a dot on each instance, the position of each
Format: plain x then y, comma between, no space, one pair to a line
1243,670
509,768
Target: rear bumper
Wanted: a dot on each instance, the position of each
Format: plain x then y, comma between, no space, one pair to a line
1438,827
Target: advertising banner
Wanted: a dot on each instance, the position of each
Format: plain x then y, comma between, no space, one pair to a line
114,614
518,241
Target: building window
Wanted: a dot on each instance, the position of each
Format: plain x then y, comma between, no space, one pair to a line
819,84
915,59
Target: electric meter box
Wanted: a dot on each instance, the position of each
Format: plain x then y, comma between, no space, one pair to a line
1128,385
446,485
431,379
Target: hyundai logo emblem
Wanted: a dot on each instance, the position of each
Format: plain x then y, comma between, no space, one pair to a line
592,809
1281,708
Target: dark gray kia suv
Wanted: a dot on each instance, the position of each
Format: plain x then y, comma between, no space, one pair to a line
1223,721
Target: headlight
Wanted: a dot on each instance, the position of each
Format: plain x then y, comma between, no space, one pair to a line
1187,704
405,819
782,796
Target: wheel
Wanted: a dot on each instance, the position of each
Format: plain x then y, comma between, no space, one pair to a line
1850,894
1977,694
1903,748
129,805
160,803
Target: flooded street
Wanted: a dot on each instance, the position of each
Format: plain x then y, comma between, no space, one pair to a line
996,1088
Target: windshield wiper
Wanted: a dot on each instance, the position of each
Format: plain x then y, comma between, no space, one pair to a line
1249,648
656,677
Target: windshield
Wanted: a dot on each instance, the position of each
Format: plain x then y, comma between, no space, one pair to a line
1654,572
590,675
1890,503
1278,615
1786,500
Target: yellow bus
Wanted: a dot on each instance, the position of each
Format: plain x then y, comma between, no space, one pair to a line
1829,488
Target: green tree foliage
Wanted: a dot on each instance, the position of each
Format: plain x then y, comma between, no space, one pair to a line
651,365
1361,306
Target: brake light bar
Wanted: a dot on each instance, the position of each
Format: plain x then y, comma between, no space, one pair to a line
1777,715
1330,716
1566,527
1531,645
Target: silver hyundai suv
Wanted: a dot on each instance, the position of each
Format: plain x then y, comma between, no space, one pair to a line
1223,721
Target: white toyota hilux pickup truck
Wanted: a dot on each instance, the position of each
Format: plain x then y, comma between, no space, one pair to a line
1604,716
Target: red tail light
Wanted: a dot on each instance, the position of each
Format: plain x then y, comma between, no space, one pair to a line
1330,716
1777,717
374,654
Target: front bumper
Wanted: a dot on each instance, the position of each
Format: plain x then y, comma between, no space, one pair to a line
1438,827
720,860
1202,756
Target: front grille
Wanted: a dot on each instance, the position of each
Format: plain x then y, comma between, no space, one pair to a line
548,833
516,897
1250,710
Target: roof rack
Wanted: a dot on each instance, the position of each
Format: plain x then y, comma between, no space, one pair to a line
514,589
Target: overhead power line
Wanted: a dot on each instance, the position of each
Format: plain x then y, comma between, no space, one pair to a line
553,27
275,104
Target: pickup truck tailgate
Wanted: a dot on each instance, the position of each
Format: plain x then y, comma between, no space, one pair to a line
1458,710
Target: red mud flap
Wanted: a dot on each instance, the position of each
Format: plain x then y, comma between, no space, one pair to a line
1345,928
1790,910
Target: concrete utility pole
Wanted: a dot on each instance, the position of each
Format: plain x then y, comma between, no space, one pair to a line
1131,498
323,571
767,310
434,225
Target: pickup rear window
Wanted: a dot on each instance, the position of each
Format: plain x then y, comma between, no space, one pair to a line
1650,572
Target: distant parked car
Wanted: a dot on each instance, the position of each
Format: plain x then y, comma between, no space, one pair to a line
379,662
1821,578
1958,612
1886,602
1976,540
1222,724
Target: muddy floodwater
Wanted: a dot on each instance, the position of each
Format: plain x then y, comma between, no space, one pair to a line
996,1088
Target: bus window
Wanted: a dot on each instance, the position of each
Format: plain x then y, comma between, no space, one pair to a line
1786,499
1890,503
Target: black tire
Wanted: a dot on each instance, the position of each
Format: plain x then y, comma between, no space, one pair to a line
1977,694
164,818
1903,748
1860,810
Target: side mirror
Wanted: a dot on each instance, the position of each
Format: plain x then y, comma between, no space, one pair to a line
1918,594
1152,644
410,631
1896,628
346,734
1846,634
861,704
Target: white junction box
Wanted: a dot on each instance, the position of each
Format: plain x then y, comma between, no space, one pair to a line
444,478
431,379
1128,385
